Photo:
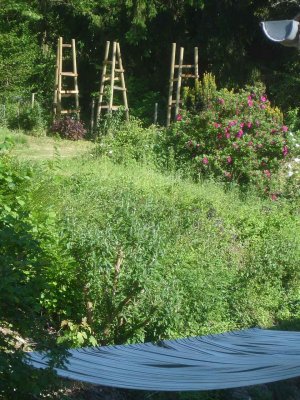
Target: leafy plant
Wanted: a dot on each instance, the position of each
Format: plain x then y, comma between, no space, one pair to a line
236,136
68,128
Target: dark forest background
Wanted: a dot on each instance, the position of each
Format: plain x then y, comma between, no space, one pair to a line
231,45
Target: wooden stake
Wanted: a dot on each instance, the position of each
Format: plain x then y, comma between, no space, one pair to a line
155,113
32,99
196,61
179,82
56,80
92,115
171,84
75,77
123,86
112,78
103,77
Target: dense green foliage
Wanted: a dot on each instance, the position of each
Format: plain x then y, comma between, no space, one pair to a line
148,235
230,40
233,136
104,253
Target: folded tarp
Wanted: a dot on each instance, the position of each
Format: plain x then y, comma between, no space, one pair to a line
228,360
285,32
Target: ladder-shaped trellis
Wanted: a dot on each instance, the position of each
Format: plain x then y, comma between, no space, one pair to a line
112,72
60,90
190,71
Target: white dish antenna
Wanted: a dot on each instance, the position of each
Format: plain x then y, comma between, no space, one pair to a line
285,32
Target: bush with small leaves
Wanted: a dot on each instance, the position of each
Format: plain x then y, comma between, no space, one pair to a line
69,128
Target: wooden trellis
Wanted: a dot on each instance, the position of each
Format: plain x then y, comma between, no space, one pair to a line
60,90
177,75
112,72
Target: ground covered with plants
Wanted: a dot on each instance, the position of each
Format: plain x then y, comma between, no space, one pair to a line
133,232
135,240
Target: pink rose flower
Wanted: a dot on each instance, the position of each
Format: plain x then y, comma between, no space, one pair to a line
242,124
262,106
284,128
205,160
263,99
239,134
229,160
285,151
216,125
178,117
250,103
249,125
227,135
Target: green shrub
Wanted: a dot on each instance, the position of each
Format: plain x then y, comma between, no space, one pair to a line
30,253
126,141
236,136
161,258
68,128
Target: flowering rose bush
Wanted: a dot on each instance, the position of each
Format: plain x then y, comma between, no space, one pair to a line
236,136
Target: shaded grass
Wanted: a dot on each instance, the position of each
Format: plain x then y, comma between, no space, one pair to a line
42,148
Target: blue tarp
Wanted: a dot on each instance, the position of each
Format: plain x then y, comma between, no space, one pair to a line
228,360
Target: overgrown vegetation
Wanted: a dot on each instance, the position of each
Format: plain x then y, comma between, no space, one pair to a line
149,232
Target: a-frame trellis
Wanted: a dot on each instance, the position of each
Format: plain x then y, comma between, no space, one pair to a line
112,72
178,74
60,90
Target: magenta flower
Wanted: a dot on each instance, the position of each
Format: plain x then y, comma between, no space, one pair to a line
249,125
262,106
205,160
229,160
242,124
227,174
249,97
267,173
178,117
239,134
232,123
285,151
250,103
273,196
284,128
227,135
263,99
221,101
216,125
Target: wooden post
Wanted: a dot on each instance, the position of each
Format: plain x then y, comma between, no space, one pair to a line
169,111
32,99
179,82
155,113
60,46
196,61
103,78
56,80
112,78
92,115
123,86
75,78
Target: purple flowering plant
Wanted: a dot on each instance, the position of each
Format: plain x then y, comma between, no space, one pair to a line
235,136
68,128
